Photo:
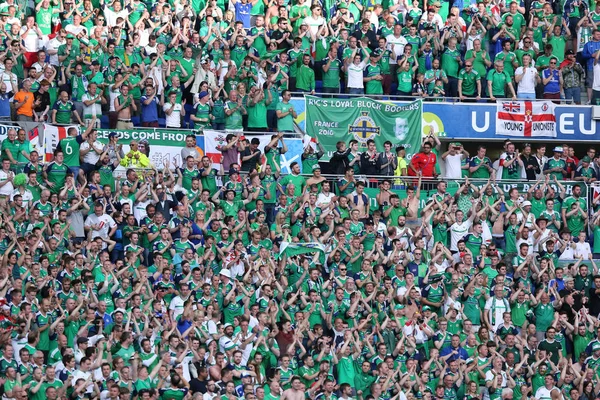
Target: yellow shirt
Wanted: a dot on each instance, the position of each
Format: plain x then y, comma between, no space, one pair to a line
398,172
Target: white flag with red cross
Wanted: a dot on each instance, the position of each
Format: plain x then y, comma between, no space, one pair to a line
525,119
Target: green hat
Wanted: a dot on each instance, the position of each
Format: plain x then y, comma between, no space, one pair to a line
342,6
586,159
399,307
316,166
70,36
426,308
596,346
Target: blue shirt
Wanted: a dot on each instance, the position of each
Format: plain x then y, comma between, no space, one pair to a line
554,85
150,111
5,104
242,13
588,53
461,353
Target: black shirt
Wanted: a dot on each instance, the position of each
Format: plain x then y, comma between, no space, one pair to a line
532,167
277,35
369,164
250,164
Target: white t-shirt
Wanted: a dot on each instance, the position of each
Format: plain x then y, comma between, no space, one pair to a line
582,249
94,109
31,40
596,85
489,376
7,189
27,197
324,199
527,84
453,164
76,30
173,120
54,44
495,308
105,223
398,49
457,232
177,306
92,157
355,75
113,94
314,23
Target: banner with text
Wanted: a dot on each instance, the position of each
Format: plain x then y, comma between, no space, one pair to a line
165,144
505,186
477,121
332,120
525,119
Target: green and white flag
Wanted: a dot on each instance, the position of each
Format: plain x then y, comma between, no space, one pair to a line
293,249
332,120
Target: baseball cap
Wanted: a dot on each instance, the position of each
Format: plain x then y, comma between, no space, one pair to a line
569,53
586,159
558,149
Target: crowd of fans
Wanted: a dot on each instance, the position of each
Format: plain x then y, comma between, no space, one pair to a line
227,64
237,282
240,282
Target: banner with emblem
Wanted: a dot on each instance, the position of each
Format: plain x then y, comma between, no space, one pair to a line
525,119
332,120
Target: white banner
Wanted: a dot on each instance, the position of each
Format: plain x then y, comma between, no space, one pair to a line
525,119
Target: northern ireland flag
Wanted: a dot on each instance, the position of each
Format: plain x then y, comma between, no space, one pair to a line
213,142
53,135
525,119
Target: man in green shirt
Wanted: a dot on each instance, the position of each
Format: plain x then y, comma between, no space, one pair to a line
295,178
480,166
507,57
373,78
556,167
285,113
63,110
331,72
202,118
451,62
305,76
11,148
498,79
234,110
469,82
55,173
70,147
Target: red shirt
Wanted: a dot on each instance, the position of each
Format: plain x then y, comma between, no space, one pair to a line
424,163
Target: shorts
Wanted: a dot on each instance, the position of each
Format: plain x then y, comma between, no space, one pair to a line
122,124
589,79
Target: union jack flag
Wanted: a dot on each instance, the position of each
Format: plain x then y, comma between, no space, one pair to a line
511,106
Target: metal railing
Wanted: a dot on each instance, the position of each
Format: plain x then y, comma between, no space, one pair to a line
444,99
